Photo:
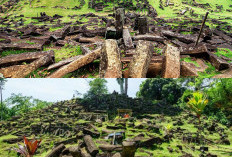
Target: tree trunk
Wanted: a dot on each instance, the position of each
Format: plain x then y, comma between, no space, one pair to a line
126,85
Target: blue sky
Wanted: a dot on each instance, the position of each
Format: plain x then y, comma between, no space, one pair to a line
60,89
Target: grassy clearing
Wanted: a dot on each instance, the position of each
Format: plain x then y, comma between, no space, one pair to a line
65,52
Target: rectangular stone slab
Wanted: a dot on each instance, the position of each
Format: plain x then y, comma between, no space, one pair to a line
76,64
149,38
8,72
171,62
28,56
190,69
220,64
140,62
110,66
127,39
21,73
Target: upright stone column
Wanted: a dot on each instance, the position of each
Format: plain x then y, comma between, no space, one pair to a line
120,18
143,25
129,149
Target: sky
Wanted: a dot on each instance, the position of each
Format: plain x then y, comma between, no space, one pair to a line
53,90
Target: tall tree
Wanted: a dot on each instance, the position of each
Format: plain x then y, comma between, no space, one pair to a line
2,83
97,87
126,85
121,82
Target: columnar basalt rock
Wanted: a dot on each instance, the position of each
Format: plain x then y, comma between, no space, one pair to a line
110,65
143,25
140,62
120,19
172,62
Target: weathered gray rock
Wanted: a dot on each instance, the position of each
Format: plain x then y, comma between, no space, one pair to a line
172,62
91,146
56,151
140,62
110,66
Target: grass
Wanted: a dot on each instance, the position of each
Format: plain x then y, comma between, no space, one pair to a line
189,60
31,43
209,72
224,52
4,147
65,52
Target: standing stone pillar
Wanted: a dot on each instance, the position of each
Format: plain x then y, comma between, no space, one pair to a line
143,25
120,18
129,149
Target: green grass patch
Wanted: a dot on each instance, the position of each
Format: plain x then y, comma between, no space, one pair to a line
209,72
31,43
189,60
65,52
224,52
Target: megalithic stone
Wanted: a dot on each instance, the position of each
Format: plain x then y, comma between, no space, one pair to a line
120,18
143,25
110,66
172,62
140,62
129,149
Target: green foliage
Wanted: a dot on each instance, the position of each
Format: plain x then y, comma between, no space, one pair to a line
97,87
189,60
160,89
18,104
197,103
66,51
220,96
209,72
224,52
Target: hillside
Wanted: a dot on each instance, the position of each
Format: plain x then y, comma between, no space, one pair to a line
74,28
66,123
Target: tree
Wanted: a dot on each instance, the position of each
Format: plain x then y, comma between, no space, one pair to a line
195,84
220,96
2,83
160,89
123,88
126,85
121,82
17,104
97,87
197,104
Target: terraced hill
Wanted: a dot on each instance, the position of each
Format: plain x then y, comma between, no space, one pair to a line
72,29
64,128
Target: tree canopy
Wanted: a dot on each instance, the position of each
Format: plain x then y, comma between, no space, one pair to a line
97,87
160,89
